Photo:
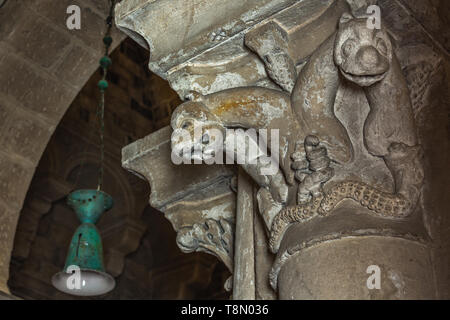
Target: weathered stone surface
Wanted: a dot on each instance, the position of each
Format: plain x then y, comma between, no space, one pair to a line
199,204
42,93
338,270
229,65
27,40
306,25
402,18
434,18
4,112
194,26
263,262
7,221
219,60
11,171
375,144
23,136
244,277
14,11
150,158
73,69
92,19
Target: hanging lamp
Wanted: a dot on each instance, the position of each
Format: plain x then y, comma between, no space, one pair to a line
84,272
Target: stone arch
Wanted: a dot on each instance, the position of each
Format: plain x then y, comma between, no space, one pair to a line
43,66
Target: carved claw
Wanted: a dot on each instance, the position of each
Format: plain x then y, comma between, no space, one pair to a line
406,165
268,207
317,172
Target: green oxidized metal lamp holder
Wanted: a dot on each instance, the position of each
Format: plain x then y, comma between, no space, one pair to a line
84,272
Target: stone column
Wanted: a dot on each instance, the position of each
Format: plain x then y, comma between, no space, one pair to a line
244,258
344,207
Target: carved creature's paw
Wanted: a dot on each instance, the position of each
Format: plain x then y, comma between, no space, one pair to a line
402,152
406,165
299,163
317,171
408,160
278,189
268,207
398,151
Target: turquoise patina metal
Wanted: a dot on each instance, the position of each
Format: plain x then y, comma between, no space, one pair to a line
89,205
84,272
86,250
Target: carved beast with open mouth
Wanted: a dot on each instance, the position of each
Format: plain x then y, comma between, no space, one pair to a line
363,55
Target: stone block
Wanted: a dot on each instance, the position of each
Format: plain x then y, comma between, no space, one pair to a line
28,37
92,30
4,112
102,6
26,136
8,222
11,11
193,26
93,25
34,89
77,66
150,157
15,178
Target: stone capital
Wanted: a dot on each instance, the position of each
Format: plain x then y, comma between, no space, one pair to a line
350,163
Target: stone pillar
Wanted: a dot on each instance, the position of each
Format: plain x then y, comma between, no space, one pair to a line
344,205
244,258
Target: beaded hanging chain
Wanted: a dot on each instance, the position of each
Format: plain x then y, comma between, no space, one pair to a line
105,63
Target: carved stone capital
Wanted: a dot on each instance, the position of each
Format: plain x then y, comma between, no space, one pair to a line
360,181
206,51
197,200
211,236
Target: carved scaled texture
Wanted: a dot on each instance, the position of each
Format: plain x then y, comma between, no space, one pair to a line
383,204
299,213
270,44
281,69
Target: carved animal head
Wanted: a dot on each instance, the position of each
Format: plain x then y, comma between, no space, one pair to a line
363,54
197,132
